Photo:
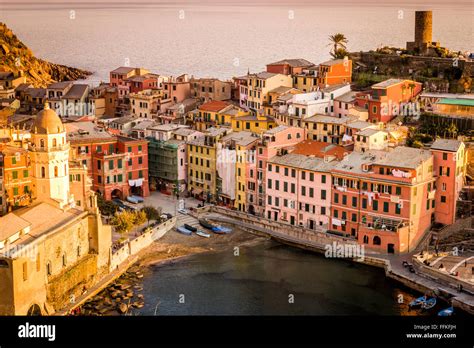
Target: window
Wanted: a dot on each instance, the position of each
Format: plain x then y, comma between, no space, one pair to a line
140,160
129,149
293,173
354,202
377,241
398,190
15,191
43,172
285,186
15,174
344,199
397,209
413,210
140,174
323,179
303,190
375,205
140,148
98,165
311,176
336,198
445,156
269,184
56,171
323,194
286,171
119,163
99,179
323,210
111,164
443,199
25,173
293,188
311,192
354,217
385,207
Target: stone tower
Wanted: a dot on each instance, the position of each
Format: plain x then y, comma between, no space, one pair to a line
423,28
423,43
50,157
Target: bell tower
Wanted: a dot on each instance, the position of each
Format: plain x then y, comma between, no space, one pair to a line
50,157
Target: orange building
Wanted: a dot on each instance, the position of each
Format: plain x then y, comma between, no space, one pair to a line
17,176
385,200
389,98
334,72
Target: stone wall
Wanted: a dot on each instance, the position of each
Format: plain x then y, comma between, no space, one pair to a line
133,247
71,281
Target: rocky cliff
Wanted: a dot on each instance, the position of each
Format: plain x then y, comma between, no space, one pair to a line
16,56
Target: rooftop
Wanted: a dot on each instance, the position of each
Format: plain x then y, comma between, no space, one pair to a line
327,119
281,89
404,157
303,162
446,145
277,129
77,131
360,125
319,149
11,224
262,75
294,62
214,106
184,131
367,132
456,101
123,70
347,97
241,138
59,85
332,62
76,92
388,83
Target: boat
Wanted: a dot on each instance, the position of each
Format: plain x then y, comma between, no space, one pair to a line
418,301
135,199
206,224
428,304
191,228
222,229
446,312
184,230
203,234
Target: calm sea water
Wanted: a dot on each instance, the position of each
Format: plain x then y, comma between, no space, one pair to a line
220,38
260,281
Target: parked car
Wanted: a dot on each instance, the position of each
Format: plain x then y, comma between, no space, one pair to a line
135,199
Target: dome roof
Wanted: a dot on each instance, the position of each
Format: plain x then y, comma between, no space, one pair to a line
47,121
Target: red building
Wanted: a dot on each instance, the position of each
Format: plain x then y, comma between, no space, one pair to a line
140,82
389,99
118,166
289,66
334,72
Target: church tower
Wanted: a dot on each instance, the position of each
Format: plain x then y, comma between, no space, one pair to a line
50,157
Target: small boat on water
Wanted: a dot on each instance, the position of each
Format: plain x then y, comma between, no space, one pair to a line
446,312
206,224
429,303
184,230
189,227
222,229
201,233
418,301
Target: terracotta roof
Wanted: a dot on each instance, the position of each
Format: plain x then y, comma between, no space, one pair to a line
319,149
294,62
11,224
446,145
214,106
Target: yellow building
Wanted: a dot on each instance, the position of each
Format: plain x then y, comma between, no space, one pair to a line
202,163
254,91
245,149
255,124
216,113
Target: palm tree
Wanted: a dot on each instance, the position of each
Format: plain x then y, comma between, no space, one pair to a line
338,41
412,87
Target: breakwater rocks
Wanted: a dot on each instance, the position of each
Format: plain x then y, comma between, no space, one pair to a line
119,298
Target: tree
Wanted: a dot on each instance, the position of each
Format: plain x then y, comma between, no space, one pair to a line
123,221
151,213
452,129
338,41
139,217
106,207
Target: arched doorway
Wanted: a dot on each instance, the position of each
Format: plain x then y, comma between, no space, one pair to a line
377,240
34,310
116,194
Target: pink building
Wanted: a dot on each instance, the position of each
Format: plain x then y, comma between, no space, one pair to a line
298,190
344,103
177,89
450,167
273,141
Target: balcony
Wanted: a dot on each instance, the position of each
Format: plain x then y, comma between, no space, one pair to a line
382,223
